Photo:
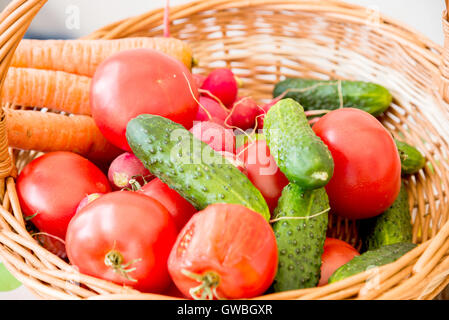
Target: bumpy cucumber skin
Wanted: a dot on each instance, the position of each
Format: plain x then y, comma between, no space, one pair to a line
411,159
300,241
373,258
392,226
299,153
323,94
166,149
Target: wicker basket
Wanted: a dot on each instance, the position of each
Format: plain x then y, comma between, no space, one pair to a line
263,41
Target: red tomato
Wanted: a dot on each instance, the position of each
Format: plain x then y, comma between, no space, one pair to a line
88,199
140,81
367,173
263,171
226,251
180,209
51,187
336,253
124,237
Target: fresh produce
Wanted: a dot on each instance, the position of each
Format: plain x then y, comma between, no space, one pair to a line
334,94
367,173
83,56
216,136
221,84
234,160
199,79
299,153
180,209
263,171
244,113
411,159
141,81
87,199
335,254
226,251
51,187
242,139
126,167
300,224
373,258
50,89
210,110
131,248
392,226
46,131
189,166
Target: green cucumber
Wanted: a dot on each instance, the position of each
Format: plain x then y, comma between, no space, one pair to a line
411,159
300,239
392,226
373,258
324,94
189,166
299,153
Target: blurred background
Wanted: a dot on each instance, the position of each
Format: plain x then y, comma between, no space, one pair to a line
75,18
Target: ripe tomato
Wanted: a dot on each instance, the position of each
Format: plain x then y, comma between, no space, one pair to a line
225,251
124,237
139,81
180,209
51,187
367,173
336,253
263,171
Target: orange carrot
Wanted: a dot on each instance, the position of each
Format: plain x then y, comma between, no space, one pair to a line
54,90
83,56
46,131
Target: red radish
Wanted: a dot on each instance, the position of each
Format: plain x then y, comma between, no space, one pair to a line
244,113
53,244
232,158
216,136
215,112
88,199
179,208
222,84
199,79
263,171
124,168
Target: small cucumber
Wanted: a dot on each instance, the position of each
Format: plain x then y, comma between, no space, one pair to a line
324,94
299,153
392,226
373,258
411,159
190,166
300,239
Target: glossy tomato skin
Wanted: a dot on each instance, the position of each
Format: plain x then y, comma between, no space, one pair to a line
367,173
230,241
336,253
262,171
136,226
141,81
51,187
180,209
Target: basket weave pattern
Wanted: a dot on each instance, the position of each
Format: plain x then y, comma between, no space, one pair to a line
264,41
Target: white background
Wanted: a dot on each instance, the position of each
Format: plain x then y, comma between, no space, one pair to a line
422,15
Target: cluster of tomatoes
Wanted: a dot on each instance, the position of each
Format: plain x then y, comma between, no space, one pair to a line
130,228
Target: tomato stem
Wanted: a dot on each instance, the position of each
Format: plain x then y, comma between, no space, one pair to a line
114,259
207,290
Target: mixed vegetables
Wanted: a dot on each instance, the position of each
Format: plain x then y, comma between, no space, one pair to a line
200,204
